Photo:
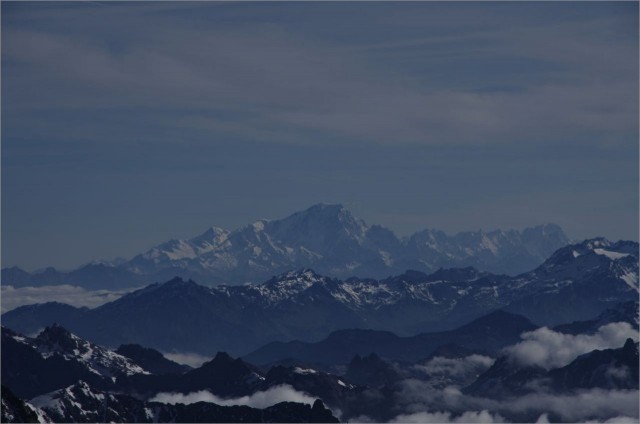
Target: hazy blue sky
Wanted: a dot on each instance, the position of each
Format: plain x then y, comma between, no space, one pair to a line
126,124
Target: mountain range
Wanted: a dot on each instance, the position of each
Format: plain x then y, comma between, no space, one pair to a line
69,379
569,286
340,346
327,238
81,403
227,389
605,369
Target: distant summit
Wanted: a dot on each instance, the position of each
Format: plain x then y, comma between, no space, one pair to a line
325,237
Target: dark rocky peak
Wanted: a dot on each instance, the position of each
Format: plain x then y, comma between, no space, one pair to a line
179,282
57,337
151,360
630,347
135,350
499,320
318,407
224,364
223,376
371,371
221,358
505,378
179,288
14,409
278,372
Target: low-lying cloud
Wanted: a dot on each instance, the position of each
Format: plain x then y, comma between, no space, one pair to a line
416,400
13,297
456,367
419,400
194,360
446,417
550,349
272,396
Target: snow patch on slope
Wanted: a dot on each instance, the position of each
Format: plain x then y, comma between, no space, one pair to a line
609,254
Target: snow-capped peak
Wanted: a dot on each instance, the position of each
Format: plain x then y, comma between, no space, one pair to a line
592,250
329,238
304,278
259,225
56,340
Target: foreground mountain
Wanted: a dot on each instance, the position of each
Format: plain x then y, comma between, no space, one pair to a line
15,410
223,376
82,403
55,358
228,377
327,238
151,360
35,366
574,284
372,371
71,380
604,369
205,394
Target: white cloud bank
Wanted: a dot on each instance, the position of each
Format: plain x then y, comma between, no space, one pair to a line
13,297
549,349
456,367
417,401
194,360
272,396
446,417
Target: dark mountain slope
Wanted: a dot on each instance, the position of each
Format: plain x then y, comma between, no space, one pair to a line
151,360
491,332
84,404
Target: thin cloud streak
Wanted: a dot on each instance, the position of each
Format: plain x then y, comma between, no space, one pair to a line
13,297
261,400
279,81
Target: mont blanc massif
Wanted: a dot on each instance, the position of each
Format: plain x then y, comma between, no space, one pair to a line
319,317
